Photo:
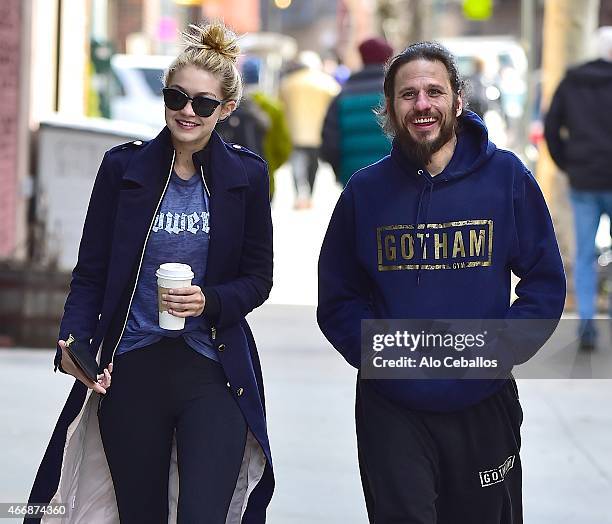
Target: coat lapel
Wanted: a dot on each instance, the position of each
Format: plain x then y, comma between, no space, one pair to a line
228,178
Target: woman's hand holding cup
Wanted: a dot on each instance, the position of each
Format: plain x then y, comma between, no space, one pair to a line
184,301
176,296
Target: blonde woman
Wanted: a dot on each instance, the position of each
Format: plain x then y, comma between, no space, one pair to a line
180,435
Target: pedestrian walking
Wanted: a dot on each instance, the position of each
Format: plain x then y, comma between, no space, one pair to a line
433,231
306,94
577,128
248,123
262,126
351,137
180,435
478,101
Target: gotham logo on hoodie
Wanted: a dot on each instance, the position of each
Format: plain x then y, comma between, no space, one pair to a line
451,245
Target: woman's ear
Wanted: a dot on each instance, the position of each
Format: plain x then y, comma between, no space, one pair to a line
227,109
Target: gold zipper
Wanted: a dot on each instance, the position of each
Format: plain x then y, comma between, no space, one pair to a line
70,340
142,257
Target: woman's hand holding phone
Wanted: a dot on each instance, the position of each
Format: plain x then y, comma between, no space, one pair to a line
103,380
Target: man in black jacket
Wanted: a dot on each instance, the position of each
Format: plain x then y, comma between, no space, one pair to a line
578,130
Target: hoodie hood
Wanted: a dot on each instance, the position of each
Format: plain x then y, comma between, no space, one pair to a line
595,72
472,151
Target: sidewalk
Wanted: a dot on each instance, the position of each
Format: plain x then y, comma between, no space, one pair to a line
298,236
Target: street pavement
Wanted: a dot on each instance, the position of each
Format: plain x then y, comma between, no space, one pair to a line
567,430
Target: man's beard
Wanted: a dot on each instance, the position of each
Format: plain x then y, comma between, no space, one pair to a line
423,151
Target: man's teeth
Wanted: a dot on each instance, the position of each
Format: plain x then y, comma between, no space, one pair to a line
429,120
187,124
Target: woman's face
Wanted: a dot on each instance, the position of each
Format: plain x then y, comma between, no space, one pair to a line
187,128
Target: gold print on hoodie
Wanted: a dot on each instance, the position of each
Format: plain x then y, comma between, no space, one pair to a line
452,245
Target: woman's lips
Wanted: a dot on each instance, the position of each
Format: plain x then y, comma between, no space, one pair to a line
184,124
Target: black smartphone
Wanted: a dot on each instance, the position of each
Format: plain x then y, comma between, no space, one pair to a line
82,358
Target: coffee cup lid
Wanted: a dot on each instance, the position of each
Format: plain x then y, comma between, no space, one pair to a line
174,271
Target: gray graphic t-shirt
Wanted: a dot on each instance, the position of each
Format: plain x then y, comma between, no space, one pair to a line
180,233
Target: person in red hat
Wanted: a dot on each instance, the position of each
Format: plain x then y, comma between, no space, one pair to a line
346,146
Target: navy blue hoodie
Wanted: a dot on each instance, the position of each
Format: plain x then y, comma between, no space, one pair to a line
370,267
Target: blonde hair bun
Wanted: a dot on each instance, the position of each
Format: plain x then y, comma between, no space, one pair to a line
215,37
214,48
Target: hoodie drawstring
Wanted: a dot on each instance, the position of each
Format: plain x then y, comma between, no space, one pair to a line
428,185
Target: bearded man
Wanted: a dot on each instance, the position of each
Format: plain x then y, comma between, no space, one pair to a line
434,231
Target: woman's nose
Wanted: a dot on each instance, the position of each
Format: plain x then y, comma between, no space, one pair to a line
188,109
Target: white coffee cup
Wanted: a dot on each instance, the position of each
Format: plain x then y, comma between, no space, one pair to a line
169,276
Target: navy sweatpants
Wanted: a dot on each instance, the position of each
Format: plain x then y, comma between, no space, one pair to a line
440,468
155,391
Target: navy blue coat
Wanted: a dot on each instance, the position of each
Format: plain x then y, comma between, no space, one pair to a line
128,187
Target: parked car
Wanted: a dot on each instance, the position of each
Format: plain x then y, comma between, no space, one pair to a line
136,84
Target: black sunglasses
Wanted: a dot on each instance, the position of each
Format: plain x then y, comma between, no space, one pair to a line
176,100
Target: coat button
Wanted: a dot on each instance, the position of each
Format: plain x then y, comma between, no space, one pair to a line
221,347
137,142
239,392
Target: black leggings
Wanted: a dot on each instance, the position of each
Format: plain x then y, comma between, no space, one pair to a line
155,391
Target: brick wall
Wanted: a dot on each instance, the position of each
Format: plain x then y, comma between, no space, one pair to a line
10,24
125,18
